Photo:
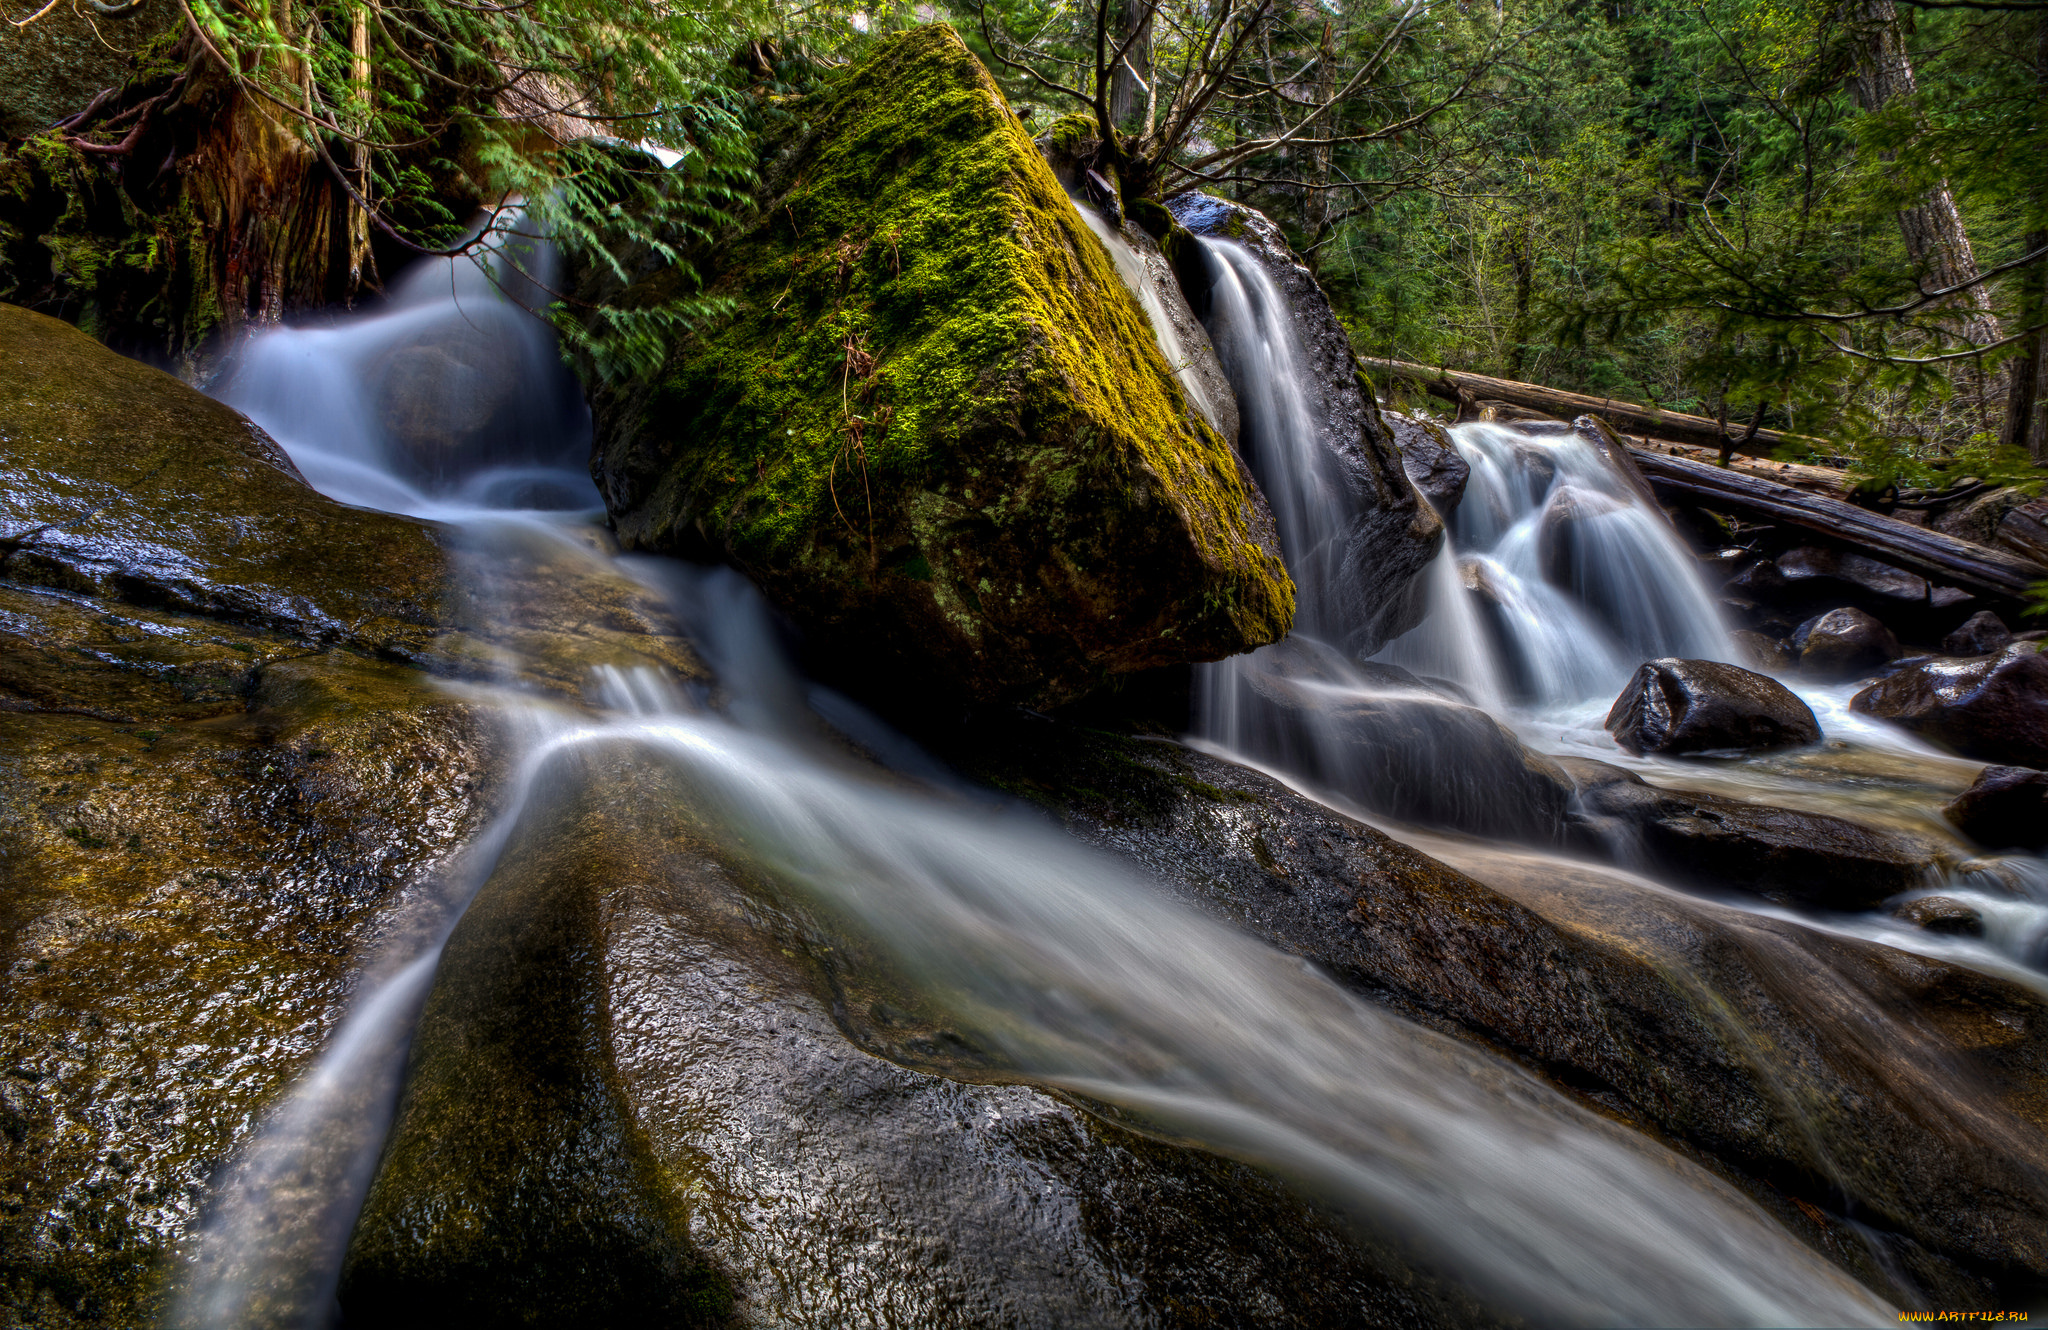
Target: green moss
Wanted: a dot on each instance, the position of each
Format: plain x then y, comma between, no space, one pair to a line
920,301
1072,132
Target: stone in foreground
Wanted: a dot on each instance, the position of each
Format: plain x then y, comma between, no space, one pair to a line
1994,708
1696,706
2007,809
937,429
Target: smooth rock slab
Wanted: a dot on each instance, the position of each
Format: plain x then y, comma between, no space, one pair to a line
1994,708
1693,706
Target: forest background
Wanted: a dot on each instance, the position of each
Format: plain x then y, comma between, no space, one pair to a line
1828,217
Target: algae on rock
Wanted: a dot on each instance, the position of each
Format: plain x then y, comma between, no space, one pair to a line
937,430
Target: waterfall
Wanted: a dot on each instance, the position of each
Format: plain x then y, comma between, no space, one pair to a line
1073,969
1558,577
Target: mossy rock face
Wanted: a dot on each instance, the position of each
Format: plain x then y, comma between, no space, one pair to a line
52,68
117,481
647,1090
183,902
937,431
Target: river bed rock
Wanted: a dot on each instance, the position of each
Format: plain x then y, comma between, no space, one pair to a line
646,1083
1690,706
1438,470
1980,635
936,429
1708,843
1812,1065
1990,707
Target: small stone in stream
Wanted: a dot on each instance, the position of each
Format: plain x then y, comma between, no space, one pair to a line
1693,706
1941,914
1994,708
2007,809
1843,644
1980,635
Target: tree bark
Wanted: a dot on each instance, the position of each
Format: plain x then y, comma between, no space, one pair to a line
1932,228
2026,413
1931,554
1125,93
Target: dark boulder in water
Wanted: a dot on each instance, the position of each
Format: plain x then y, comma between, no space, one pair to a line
2007,809
1431,460
1714,844
1980,635
1844,644
1813,565
1994,708
1941,914
937,429
1692,706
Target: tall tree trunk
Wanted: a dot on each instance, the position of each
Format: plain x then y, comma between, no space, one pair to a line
1933,227
358,216
1522,257
2026,414
1130,81
1316,207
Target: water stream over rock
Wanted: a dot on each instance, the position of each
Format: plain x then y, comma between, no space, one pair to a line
1043,965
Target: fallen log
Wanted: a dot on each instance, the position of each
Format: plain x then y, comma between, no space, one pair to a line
1468,390
1937,557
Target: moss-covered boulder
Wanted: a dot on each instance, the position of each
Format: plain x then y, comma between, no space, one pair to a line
936,428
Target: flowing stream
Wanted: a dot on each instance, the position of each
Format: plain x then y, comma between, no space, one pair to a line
1076,971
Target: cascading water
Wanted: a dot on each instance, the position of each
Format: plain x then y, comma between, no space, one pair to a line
1077,973
1557,577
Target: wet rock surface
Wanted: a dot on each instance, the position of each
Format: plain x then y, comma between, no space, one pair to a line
186,896
1714,844
1978,519
1431,460
1843,644
1994,708
119,482
1827,569
1393,535
1691,706
1941,914
1810,1066
658,1082
939,433
1980,635
2006,809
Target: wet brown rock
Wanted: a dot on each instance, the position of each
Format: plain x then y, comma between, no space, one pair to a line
1817,564
1994,708
183,901
2006,809
1822,1064
1691,706
1980,635
1941,914
1843,644
1765,652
